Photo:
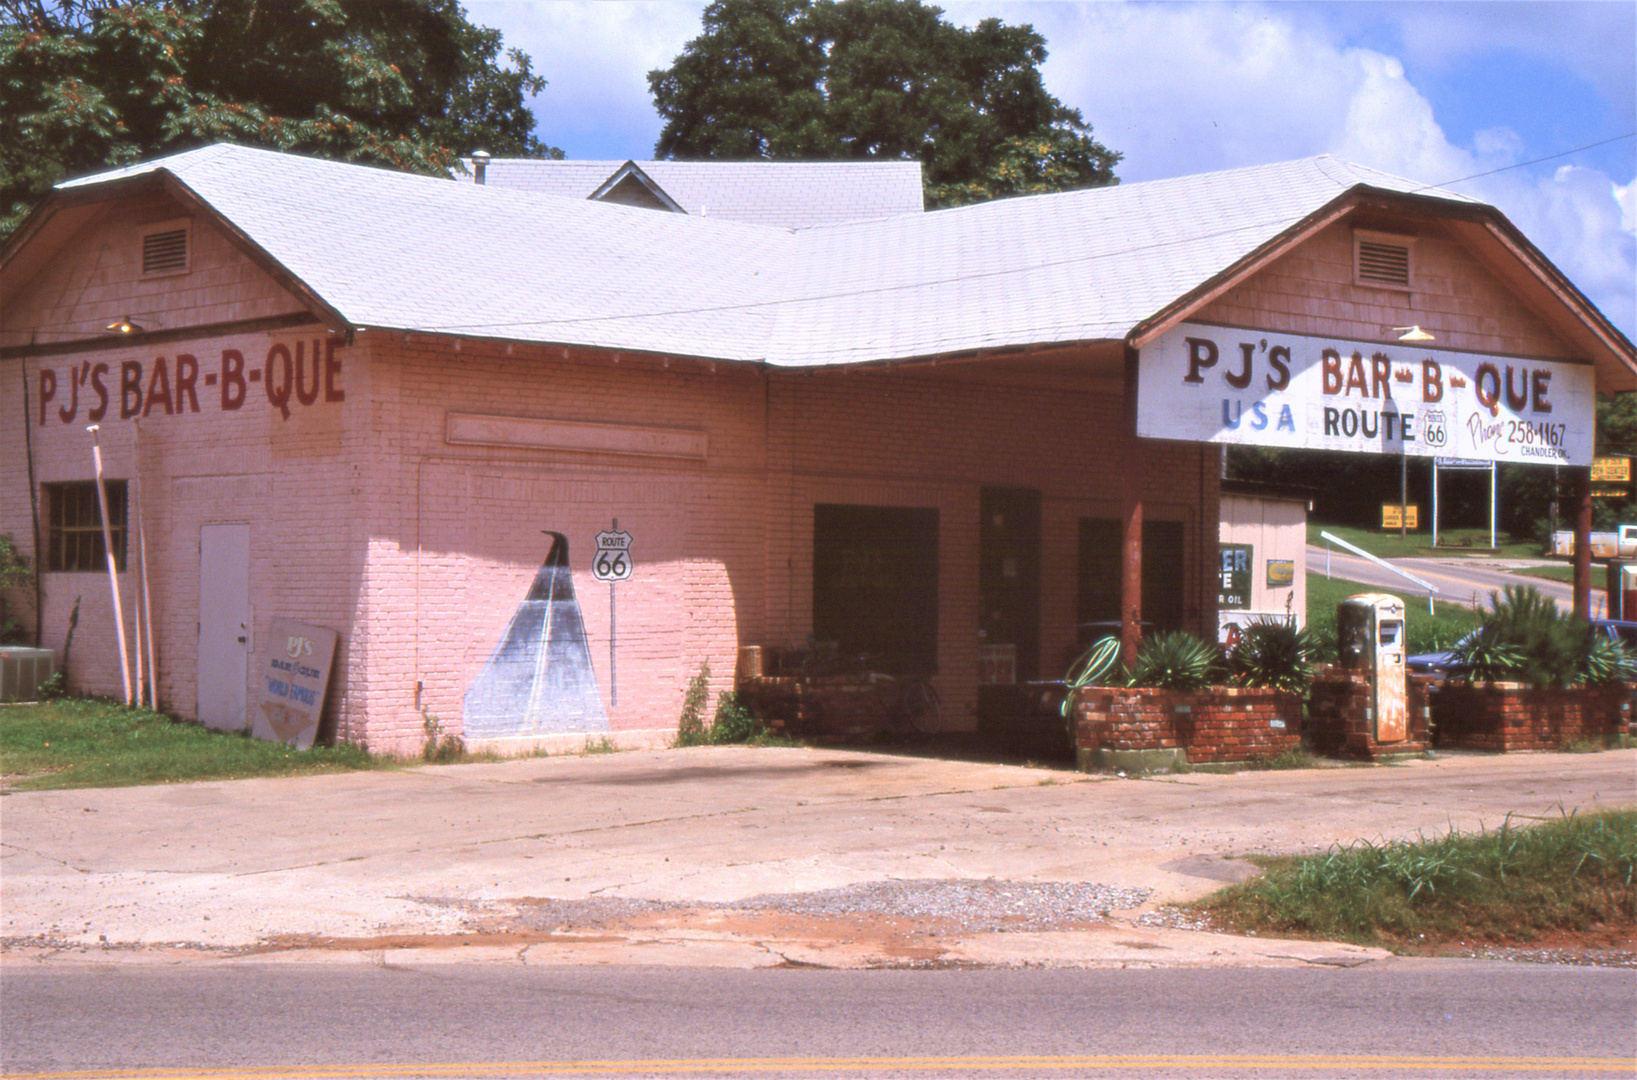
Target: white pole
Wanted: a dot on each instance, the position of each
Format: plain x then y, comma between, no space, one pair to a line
1491,506
136,618
113,566
1435,504
147,591
147,615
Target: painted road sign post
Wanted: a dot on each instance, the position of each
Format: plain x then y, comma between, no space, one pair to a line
612,563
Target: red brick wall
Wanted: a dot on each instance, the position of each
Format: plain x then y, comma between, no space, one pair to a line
1507,717
1339,720
1215,724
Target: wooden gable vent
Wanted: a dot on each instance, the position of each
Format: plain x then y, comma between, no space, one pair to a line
165,252
1381,261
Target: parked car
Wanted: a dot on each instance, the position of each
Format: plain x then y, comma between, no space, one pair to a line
1447,664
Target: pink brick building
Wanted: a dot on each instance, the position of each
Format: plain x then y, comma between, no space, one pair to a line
363,401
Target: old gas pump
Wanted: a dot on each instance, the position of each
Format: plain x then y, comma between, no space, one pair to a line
1370,636
1622,590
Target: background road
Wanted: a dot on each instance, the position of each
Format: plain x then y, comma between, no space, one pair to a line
1399,1018
1459,581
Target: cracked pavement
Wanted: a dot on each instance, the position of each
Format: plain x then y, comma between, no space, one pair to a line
718,856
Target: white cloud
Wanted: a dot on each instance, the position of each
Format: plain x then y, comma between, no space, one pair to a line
1186,88
596,57
1240,85
1583,223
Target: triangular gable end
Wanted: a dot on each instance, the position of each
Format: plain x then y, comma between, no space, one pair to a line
1474,281
147,252
630,186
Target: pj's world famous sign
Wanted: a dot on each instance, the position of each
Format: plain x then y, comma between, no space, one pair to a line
292,374
1217,384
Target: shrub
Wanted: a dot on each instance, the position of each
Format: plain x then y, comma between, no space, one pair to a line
690,726
733,723
13,571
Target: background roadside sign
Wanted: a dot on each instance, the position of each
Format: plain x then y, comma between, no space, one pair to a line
1611,470
1394,516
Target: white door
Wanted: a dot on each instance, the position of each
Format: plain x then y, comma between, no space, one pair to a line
224,625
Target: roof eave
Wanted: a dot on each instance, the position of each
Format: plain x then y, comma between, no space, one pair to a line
1617,370
163,180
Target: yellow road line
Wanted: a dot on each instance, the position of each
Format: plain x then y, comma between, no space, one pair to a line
1558,1065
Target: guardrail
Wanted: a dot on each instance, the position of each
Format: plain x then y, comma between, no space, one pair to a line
1383,563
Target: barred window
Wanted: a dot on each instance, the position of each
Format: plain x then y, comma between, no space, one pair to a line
74,525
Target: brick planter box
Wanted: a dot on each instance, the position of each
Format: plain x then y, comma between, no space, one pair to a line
1146,730
1339,721
1509,716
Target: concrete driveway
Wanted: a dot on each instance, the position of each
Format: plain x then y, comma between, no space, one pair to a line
718,856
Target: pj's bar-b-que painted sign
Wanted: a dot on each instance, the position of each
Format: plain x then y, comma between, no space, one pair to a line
293,375
1218,384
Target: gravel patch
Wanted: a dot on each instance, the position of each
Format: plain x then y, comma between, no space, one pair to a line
974,906
971,907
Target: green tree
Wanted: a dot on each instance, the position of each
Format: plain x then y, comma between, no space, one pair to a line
88,84
877,79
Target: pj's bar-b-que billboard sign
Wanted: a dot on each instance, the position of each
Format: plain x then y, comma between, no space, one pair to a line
1219,384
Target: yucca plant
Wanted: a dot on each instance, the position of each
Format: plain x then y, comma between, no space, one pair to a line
1606,661
1175,661
1487,658
1274,653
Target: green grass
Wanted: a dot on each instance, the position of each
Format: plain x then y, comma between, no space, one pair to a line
87,742
1449,622
1564,573
1386,544
1575,874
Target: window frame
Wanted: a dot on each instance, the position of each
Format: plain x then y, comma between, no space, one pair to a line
73,526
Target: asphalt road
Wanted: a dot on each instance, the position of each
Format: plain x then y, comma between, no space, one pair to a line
1400,1018
1459,581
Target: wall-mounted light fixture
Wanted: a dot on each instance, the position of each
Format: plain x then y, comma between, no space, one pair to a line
124,325
1411,333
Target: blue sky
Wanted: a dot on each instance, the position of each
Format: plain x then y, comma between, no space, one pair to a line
1434,91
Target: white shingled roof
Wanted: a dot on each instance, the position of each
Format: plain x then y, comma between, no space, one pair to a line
789,194
393,250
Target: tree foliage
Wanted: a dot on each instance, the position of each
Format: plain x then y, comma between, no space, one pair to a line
877,79
88,84
1349,489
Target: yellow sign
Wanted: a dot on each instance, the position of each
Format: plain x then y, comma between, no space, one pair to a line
1611,470
1392,519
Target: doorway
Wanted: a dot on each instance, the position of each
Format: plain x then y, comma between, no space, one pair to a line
224,625
875,585
1009,584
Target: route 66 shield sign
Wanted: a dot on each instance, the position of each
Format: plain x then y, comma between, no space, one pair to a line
612,562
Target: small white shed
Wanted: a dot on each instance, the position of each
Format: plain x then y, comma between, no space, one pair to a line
1263,546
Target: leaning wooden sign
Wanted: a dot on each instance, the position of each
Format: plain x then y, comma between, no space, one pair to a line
294,683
